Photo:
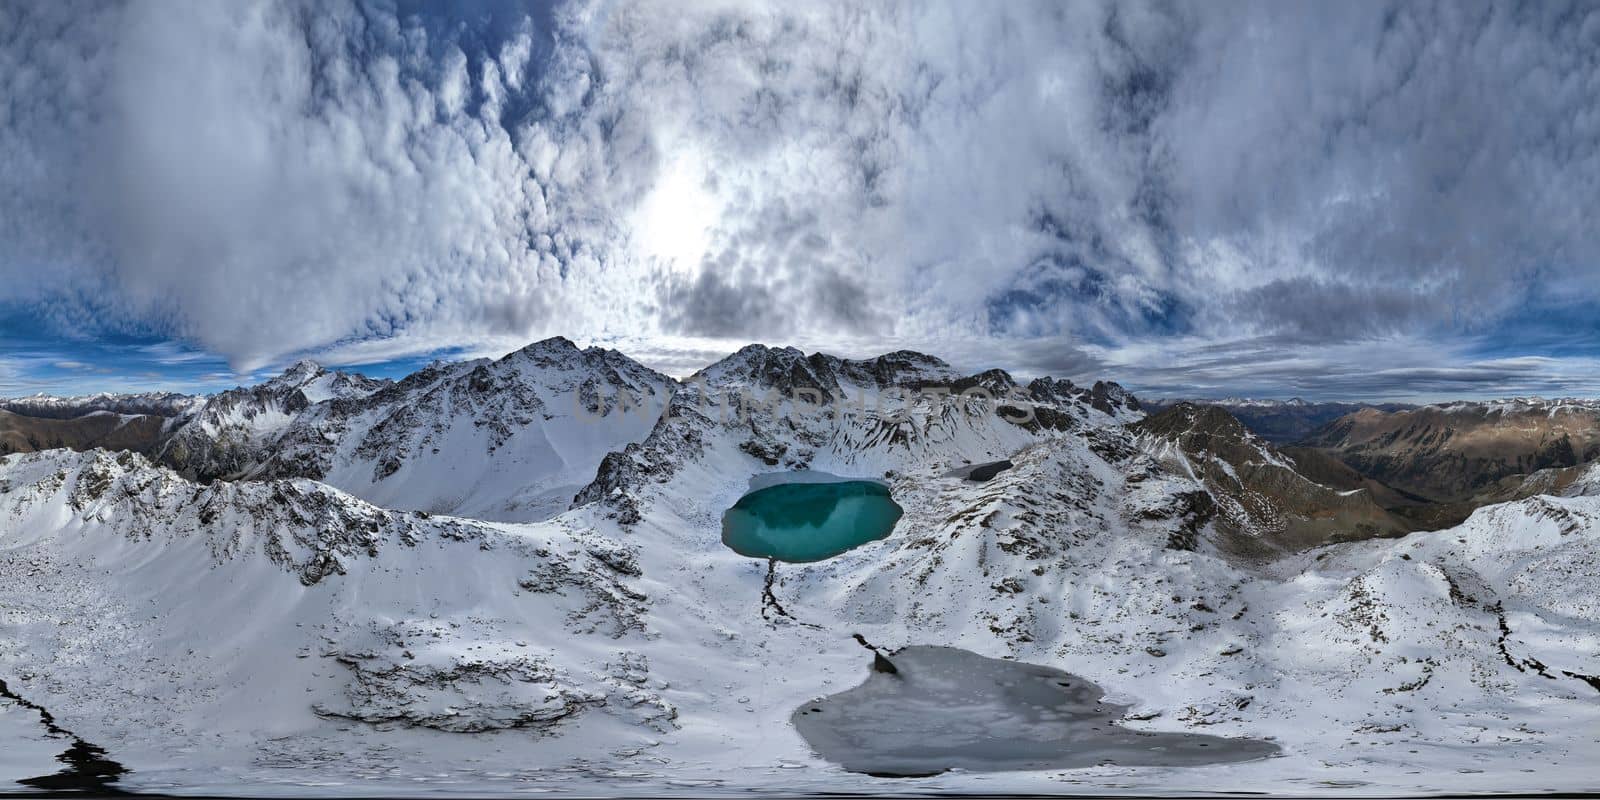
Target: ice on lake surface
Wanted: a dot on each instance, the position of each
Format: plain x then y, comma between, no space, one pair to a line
943,708
807,521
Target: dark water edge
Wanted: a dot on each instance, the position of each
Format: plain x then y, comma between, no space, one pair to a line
980,473
87,771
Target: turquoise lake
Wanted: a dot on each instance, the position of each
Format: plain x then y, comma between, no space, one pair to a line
801,522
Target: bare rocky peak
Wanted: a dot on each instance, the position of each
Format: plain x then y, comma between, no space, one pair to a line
546,359
1106,396
785,369
1111,398
1053,389
899,368
1207,432
298,374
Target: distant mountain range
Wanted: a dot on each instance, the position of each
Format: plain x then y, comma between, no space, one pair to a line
152,404
1282,421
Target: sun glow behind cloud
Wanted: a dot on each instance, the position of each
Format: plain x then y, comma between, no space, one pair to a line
673,223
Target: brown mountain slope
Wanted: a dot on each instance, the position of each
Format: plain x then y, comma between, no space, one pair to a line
1260,494
1326,469
20,434
1551,481
1452,453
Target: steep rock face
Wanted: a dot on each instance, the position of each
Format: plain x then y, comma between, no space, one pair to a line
1259,493
308,529
1585,483
785,370
1451,452
1105,396
1110,398
900,368
511,439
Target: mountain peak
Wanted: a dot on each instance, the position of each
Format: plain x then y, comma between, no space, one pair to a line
996,382
1188,418
554,346
298,374
894,369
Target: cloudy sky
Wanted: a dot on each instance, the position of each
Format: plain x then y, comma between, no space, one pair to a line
1333,200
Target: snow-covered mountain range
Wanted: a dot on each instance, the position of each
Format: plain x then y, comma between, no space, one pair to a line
153,404
505,576
138,422
509,440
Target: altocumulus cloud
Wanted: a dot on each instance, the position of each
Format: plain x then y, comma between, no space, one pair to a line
1275,194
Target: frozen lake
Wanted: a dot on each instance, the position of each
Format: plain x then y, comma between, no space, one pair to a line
943,708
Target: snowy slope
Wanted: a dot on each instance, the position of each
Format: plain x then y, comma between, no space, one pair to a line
285,636
155,616
1081,557
770,409
512,439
